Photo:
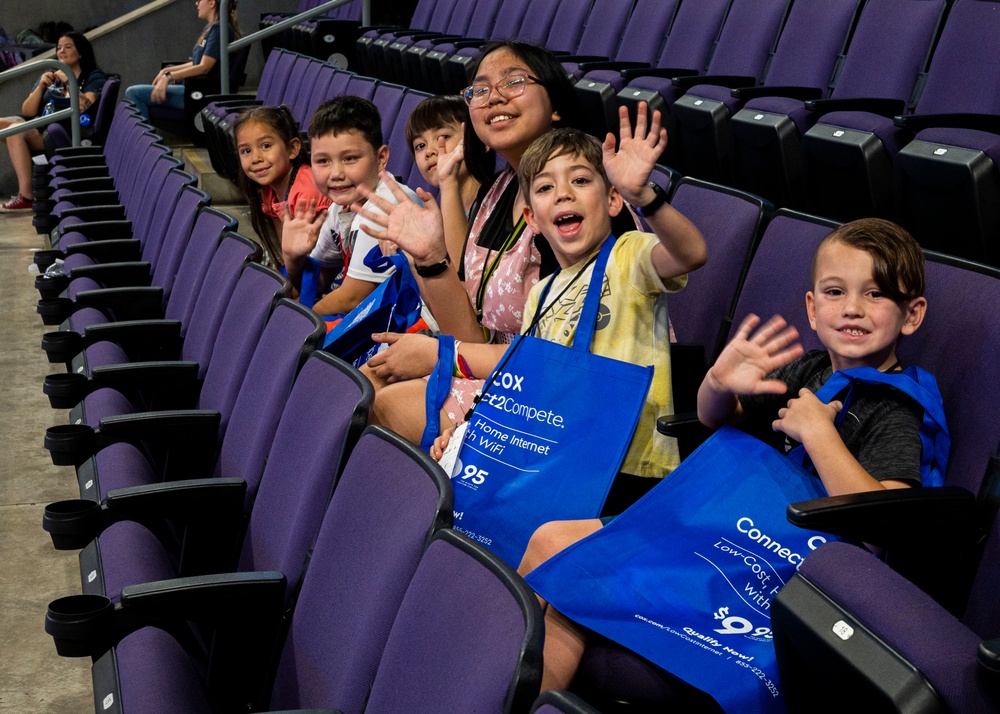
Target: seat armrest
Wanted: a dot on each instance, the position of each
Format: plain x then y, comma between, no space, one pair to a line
80,160
892,516
882,107
91,183
979,122
105,212
718,80
801,93
100,230
159,335
115,275
610,64
84,172
175,382
106,251
134,303
469,42
665,72
91,198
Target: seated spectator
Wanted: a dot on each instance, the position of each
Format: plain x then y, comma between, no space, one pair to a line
50,94
868,283
345,137
167,86
276,172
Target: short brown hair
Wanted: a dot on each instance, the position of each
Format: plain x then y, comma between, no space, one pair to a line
559,142
434,113
897,260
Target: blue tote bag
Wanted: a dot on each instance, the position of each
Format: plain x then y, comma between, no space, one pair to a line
394,306
547,437
686,576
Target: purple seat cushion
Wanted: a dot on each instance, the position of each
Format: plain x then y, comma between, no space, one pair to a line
105,402
145,678
972,139
131,555
104,353
122,466
795,109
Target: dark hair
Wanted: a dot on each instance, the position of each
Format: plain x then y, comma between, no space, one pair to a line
550,74
434,113
233,23
280,120
559,142
88,62
348,113
897,260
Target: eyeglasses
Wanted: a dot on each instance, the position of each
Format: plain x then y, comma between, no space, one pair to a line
509,87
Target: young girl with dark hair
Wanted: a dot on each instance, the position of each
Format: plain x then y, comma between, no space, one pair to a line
50,94
275,171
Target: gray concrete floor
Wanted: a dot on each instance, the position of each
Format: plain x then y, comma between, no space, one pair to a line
32,677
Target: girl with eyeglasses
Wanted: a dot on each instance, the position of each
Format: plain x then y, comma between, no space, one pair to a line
519,92
167,86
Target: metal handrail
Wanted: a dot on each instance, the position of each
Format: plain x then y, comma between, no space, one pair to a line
73,112
225,46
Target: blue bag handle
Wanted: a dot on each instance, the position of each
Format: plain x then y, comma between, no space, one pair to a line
919,385
438,388
587,323
310,281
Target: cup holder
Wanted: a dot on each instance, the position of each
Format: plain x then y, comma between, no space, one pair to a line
62,345
72,524
70,444
79,624
65,390
45,258
51,286
54,310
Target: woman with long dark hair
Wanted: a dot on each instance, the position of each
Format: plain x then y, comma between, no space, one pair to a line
50,94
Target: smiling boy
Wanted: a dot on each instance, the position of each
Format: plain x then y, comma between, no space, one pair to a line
347,155
573,187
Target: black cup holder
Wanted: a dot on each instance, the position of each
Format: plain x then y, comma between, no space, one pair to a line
72,524
54,310
70,444
80,624
62,345
45,258
65,390
51,286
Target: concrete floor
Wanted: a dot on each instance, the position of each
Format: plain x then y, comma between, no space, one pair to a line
32,677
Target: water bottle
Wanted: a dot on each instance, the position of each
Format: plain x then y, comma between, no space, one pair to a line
85,120
49,108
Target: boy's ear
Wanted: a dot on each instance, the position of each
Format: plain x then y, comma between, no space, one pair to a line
383,157
914,315
529,218
811,309
615,202
556,117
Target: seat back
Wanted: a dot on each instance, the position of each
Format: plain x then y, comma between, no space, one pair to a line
876,68
188,206
501,634
958,80
291,334
233,253
692,34
604,27
239,331
566,25
322,420
730,220
647,28
389,501
813,37
209,226
748,36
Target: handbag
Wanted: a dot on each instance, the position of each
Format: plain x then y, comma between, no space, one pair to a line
685,577
394,306
547,435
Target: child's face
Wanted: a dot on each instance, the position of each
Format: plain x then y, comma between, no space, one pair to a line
425,149
855,321
265,158
572,207
342,162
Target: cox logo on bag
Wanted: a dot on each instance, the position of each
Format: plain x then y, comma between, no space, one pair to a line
507,380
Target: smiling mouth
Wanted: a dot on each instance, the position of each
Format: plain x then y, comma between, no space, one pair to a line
500,118
853,331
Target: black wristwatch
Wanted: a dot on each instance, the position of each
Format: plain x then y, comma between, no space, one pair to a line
430,271
656,204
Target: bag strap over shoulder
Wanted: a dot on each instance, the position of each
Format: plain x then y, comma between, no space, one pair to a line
919,385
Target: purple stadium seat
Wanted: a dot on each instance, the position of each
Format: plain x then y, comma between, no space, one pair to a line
767,133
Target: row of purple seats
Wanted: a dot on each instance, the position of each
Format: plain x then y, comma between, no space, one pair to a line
932,537
330,37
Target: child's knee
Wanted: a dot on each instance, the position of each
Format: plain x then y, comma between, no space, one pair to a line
551,538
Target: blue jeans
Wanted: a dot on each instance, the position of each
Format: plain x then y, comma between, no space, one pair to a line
139,95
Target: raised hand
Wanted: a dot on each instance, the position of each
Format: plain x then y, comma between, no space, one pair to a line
628,169
744,364
300,231
449,163
416,229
